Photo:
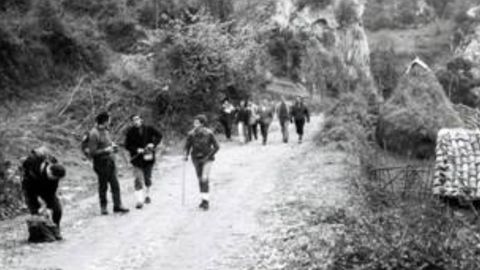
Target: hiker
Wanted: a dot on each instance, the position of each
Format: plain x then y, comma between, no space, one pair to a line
265,112
226,117
300,114
41,176
253,118
242,118
283,114
141,141
102,151
202,146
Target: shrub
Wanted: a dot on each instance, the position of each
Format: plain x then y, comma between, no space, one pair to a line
100,9
203,64
346,13
286,49
16,5
122,35
384,66
315,4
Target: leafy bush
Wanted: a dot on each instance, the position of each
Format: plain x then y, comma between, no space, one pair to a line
315,4
122,34
457,82
42,50
159,14
100,9
384,66
287,48
346,13
15,5
203,64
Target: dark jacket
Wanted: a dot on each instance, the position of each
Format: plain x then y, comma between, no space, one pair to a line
201,144
283,112
300,112
243,115
98,140
266,114
140,138
35,175
227,112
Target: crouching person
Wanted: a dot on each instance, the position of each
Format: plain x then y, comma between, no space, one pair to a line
202,146
41,175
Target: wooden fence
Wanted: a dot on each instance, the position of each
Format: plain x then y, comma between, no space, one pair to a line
406,182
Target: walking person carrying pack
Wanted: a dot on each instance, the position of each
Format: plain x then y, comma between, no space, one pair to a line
299,115
283,114
242,118
202,146
41,176
265,112
226,117
102,151
141,141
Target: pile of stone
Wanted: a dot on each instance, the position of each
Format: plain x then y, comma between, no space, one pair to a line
457,168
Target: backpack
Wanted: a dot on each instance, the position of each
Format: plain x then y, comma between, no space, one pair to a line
41,229
84,144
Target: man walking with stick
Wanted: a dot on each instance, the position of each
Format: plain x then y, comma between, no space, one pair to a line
141,141
202,146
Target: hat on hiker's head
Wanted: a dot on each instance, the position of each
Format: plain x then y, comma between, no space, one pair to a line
41,151
135,115
58,171
201,118
102,118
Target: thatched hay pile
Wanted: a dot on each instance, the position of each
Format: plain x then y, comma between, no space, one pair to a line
410,120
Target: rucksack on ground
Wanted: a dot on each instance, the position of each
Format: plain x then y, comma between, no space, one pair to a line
41,229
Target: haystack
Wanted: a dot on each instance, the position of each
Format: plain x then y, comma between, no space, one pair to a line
418,108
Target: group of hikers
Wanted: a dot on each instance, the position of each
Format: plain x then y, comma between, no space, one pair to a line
248,116
42,171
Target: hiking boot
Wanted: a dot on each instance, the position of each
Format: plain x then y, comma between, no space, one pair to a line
104,211
139,205
58,235
121,210
148,200
204,205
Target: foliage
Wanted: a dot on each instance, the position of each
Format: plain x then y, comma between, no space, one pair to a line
440,6
346,13
457,82
99,9
42,50
220,9
412,236
385,70
159,14
121,34
16,5
287,48
203,63
314,4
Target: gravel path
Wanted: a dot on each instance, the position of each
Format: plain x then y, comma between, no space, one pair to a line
168,235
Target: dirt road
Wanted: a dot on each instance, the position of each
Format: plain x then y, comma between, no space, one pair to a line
169,235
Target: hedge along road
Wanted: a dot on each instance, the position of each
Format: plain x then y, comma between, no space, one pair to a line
167,234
